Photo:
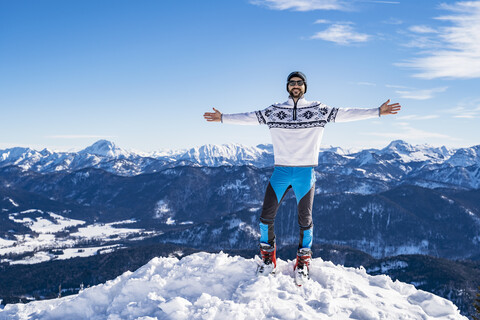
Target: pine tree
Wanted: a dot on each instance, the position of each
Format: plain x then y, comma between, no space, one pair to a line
477,306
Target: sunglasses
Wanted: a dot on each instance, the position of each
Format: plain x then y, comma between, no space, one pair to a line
297,82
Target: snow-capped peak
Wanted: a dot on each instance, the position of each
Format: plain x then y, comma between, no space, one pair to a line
17,153
46,152
418,153
465,156
225,154
105,148
218,286
400,146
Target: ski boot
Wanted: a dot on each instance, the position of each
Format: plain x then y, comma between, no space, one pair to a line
304,257
268,264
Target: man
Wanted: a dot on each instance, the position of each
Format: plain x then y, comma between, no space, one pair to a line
296,127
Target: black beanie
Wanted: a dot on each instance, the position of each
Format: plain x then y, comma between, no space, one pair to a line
300,75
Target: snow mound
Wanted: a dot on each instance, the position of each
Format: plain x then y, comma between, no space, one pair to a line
218,286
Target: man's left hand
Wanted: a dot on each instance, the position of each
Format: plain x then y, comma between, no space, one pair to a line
387,108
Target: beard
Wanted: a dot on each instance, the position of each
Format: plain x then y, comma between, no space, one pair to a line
296,93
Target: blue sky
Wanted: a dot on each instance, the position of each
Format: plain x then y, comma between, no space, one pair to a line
142,73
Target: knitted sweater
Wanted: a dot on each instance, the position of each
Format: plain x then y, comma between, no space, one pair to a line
297,128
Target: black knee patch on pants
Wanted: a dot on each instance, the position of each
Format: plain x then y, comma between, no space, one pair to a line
269,211
305,221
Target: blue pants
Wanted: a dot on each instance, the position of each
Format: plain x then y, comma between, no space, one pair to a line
302,181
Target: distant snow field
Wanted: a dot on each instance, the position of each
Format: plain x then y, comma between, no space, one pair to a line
63,254
51,223
104,231
46,225
218,286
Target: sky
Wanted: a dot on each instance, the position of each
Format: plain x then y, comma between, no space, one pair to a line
142,73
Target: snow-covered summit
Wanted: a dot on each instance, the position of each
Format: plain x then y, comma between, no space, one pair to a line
465,157
105,148
418,153
225,154
218,286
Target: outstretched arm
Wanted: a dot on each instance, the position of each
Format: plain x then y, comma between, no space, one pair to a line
247,118
353,114
213,116
387,108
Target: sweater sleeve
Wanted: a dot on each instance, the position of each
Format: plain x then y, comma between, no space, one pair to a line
352,114
247,118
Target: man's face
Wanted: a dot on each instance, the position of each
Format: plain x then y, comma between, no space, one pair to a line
295,90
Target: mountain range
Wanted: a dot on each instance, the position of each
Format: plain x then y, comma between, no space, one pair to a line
399,200
397,163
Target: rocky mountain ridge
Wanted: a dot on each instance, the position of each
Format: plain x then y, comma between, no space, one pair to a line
396,164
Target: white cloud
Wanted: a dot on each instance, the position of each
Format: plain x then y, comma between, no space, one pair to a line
408,133
422,29
393,21
465,116
79,136
302,5
343,34
395,86
459,53
363,83
467,109
384,2
423,42
423,94
321,21
417,117
309,5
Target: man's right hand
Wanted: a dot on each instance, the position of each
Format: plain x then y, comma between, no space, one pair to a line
213,116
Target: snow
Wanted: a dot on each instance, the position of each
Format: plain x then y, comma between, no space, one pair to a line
45,228
103,231
444,167
106,148
161,209
68,253
85,252
237,185
447,199
378,250
26,243
226,154
6,243
385,267
42,225
30,211
419,153
13,202
363,171
38,257
234,223
123,222
46,237
218,286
